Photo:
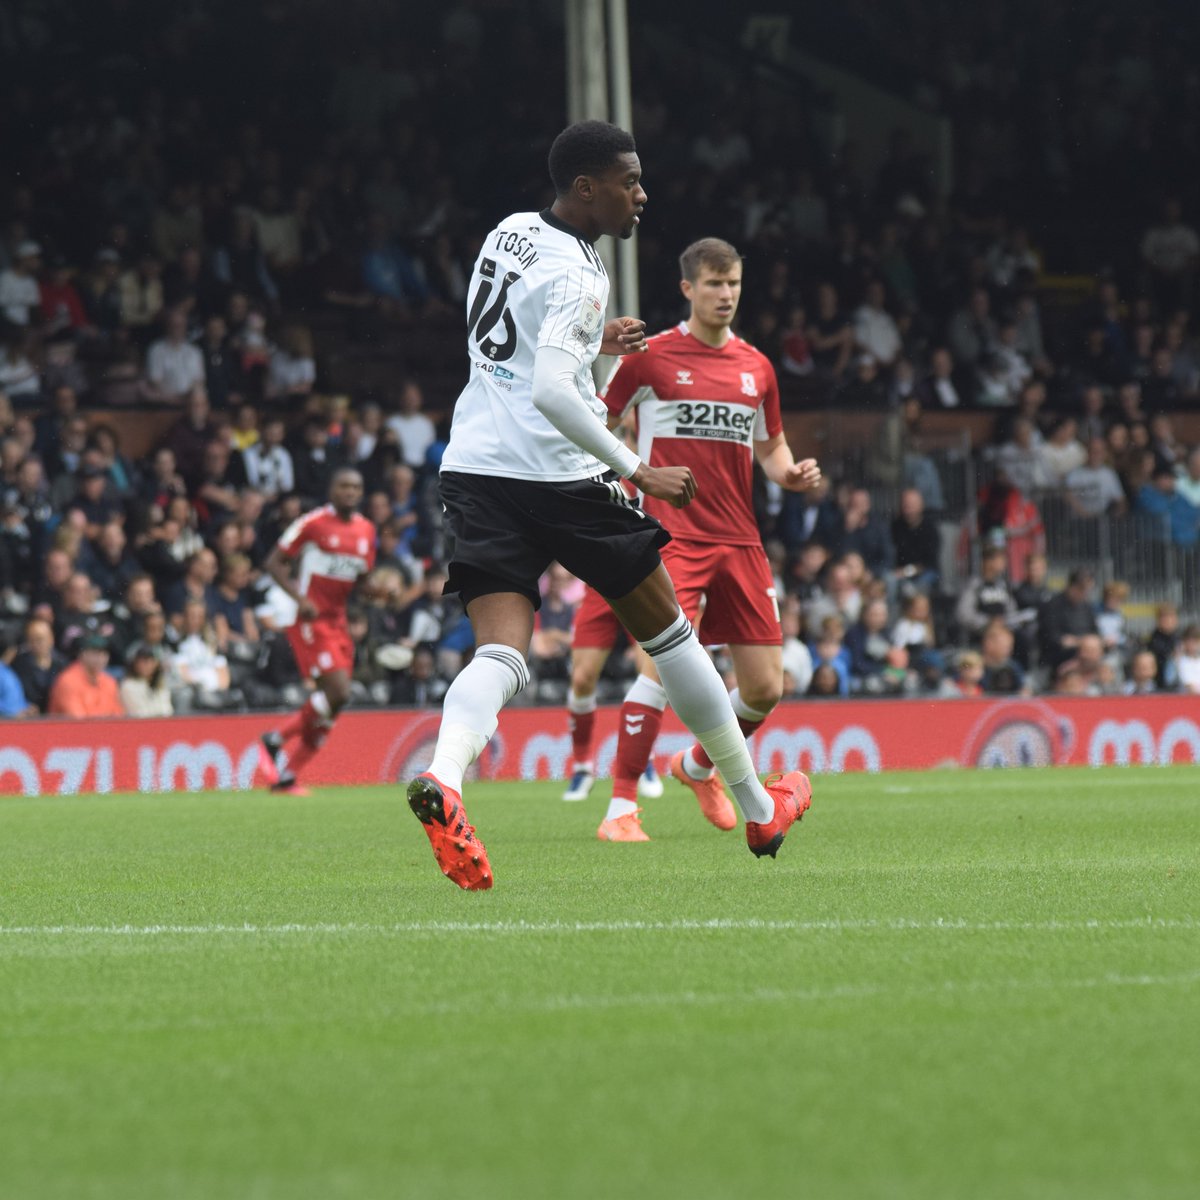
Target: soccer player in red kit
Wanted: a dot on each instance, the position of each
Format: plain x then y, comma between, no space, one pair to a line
317,561
706,399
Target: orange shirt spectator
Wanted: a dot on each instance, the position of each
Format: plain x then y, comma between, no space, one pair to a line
85,689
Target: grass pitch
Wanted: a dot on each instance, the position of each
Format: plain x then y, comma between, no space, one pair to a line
948,985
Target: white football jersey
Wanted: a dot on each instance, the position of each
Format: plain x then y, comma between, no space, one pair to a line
536,283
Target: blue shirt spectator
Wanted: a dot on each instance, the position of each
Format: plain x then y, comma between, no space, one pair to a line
12,695
1179,520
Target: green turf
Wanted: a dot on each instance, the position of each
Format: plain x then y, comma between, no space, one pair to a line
961,985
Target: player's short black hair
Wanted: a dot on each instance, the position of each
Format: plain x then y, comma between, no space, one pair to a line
586,148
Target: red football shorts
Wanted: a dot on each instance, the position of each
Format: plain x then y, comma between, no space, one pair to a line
740,605
321,647
596,625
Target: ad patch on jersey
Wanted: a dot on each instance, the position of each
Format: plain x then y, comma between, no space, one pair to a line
591,314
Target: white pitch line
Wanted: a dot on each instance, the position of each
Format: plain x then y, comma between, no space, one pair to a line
718,924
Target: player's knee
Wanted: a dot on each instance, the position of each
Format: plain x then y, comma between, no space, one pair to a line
337,692
764,698
583,681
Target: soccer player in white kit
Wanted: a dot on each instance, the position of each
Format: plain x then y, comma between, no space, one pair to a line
532,475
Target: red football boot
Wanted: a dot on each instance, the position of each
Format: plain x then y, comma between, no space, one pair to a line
792,794
459,853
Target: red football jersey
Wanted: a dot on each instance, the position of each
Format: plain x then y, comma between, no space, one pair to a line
703,408
333,554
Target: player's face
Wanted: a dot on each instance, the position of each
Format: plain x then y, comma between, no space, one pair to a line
346,493
618,197
714,295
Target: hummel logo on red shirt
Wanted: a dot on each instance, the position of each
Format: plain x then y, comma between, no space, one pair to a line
683,378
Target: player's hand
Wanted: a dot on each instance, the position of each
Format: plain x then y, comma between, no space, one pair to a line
675,485
623,335
801,476
307,609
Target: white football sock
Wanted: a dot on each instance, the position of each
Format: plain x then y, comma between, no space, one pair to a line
644,690
696,693
743,710
469,711
581,704
619,808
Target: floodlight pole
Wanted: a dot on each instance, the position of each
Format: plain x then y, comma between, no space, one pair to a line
598,88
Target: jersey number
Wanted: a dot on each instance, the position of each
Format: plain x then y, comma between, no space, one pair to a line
480,323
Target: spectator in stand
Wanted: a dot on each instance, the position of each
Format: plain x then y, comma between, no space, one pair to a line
13,704
1187,478
101,293
1061,452
1163,643
142,298
1005,513
216,498
59,305
173,365
916,543
1110,619
239,263
972,334
95,499
863,534
130,612
938,389
20,373
797,658
875,330
268,462
966,681
38,664
20,297
914,633
986,595
108,562
292,369
188,436
233,612
244,432
313,461
869,641
223,378
1173,518
143,690
162,481
202,674
1168,450
830,336
412,426
840,597
1170,251
85,689
1094,489
1066,618
1020,460
81,614
1187,661
197,584
865,388
1092,420
391,274
1002,674
1142,676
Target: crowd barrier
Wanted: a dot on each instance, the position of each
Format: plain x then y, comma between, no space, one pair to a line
193,753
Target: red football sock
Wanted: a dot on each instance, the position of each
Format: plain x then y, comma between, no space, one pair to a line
638,731
583,735
312,714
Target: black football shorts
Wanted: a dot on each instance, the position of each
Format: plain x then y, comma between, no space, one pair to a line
508,531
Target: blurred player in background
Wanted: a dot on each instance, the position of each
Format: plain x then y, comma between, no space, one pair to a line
317,561
705,398
592,640
532,474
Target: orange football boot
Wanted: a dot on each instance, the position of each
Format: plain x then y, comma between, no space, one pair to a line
792,794
459,853
623,829
710,792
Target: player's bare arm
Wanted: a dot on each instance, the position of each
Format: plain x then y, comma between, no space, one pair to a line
623,335
280,570
780,466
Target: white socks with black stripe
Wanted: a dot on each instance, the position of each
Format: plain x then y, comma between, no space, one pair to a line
469,711
699,698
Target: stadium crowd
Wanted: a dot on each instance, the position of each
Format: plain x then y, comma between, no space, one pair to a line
167,246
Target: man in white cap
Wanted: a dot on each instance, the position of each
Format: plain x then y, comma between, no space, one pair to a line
19,294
